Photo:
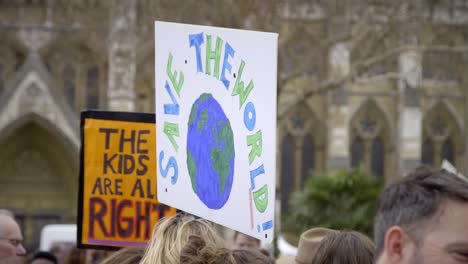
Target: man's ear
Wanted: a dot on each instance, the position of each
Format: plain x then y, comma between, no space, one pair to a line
395,241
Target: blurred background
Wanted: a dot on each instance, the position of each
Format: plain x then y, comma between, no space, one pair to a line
367,89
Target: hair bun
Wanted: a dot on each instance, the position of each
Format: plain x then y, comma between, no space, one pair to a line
191,251
196,251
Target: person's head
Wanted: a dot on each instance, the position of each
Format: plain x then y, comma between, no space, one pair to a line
171,234
242,240
60,251
95,256
247,256
44,257
345,247
423,219
130,255
7,213
77,256
308,243
11,239
196,251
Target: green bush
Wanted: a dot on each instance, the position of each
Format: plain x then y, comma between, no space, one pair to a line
343,200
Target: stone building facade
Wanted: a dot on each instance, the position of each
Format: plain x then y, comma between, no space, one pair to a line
58,57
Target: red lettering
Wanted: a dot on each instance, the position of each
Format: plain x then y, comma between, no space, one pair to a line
123,219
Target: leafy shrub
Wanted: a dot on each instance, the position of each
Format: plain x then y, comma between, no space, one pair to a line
343,200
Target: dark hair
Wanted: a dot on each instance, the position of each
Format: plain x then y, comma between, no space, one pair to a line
345,247
196,251
414,201
246,256
45,255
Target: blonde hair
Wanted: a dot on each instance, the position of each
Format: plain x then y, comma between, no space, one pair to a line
130,255
172,233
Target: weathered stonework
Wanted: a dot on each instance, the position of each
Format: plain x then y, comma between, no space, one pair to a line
122,54
41,38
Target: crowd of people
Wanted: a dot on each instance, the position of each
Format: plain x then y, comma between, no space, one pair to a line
423,218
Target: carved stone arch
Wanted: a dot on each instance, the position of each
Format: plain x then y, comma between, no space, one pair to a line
444,106
442,134
371,139
306,117
12,55
38,149
30,93
456,116
44,123
381,110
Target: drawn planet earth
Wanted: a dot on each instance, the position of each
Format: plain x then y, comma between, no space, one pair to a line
210,152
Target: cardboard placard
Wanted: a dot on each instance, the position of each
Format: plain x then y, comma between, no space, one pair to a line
117,204
216,115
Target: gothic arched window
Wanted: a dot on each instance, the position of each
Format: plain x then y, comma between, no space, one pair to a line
442,136
92,87
369,133
69,84
301,151
308,157
287,170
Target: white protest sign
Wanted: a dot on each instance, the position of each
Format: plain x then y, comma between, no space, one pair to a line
216,124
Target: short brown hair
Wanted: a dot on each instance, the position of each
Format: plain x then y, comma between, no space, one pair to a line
414,201
345,247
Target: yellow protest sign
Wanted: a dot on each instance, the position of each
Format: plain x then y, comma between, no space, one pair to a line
118,204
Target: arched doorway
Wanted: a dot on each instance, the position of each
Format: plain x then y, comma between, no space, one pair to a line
39,176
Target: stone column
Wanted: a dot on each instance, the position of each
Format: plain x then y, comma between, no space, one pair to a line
122,56
409,111
338,109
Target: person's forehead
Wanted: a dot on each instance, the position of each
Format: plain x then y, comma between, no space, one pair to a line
9,227
451,225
